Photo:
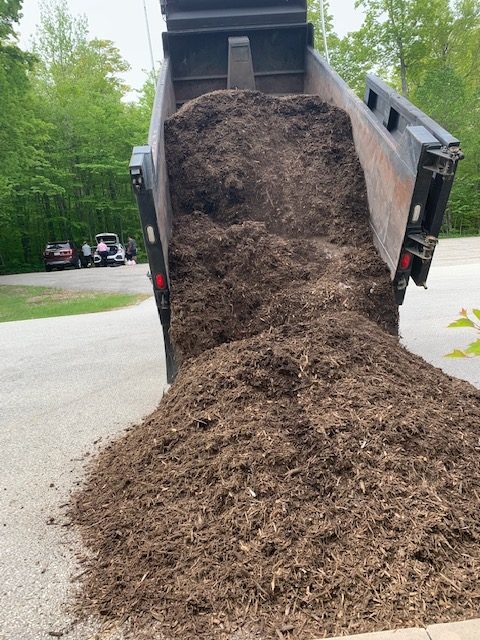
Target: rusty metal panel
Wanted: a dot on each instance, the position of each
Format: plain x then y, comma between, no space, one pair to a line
390,177
183,15
164,107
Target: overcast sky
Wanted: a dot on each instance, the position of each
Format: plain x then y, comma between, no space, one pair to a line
123,21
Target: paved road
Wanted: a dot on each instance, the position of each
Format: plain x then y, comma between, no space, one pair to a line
454,283
125,279
459,251
55,402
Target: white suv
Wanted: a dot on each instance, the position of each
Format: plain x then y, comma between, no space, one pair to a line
116,250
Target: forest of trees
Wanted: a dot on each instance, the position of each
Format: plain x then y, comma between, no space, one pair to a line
66,136
67,129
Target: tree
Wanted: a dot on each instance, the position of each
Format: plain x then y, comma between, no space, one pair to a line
353,57
407,33
10,14
320,17
60,36
19,132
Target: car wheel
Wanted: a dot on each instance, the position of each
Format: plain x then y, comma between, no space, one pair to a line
61,268
48,268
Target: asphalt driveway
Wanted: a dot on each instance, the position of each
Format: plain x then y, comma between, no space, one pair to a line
454,283
124,279
64,384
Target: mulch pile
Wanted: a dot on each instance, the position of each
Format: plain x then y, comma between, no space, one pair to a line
271,219
305,475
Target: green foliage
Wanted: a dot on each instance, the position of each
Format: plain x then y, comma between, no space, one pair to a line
9,15
60,37
66,135
462,322
315,17
407,34
353,57
473,349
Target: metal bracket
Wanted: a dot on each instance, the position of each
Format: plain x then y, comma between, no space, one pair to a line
141,169
444,160
240,65
424,245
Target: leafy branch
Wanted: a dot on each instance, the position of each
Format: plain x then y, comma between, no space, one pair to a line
473,349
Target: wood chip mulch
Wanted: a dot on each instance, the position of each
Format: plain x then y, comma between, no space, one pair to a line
305,476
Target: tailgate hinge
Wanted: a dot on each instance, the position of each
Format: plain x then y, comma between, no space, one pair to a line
421,245
443,161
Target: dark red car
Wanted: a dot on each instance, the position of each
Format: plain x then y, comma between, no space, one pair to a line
61,254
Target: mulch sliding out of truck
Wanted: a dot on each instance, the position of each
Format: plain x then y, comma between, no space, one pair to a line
305,476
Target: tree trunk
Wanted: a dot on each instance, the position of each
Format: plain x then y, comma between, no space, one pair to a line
403,74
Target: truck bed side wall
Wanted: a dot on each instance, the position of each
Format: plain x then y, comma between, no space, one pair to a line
164,107
389,179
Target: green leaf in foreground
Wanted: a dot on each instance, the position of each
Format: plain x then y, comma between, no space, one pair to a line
456,353
461,322
474,348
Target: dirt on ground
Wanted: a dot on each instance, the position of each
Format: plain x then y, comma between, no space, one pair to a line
305,476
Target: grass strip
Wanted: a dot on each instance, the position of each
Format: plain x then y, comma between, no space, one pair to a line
29,303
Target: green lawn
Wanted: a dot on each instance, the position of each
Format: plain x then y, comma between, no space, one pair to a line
27,303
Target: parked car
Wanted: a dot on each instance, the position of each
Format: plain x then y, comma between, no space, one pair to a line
61,254
116,249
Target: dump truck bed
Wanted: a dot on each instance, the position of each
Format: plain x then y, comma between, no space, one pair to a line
409,161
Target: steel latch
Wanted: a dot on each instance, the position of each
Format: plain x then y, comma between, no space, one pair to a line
141,168
137,178
444,160
424,245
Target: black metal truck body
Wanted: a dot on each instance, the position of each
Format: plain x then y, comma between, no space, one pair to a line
409,161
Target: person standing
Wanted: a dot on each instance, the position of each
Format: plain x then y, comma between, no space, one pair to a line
103,251
131,252
87,258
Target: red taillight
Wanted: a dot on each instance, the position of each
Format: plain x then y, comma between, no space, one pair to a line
66,253
160,281
405,261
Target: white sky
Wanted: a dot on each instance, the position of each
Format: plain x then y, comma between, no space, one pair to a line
123,21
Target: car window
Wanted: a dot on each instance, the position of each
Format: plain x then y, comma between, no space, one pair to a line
58,245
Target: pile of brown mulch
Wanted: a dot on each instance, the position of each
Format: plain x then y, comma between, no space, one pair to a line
305,476
271,219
